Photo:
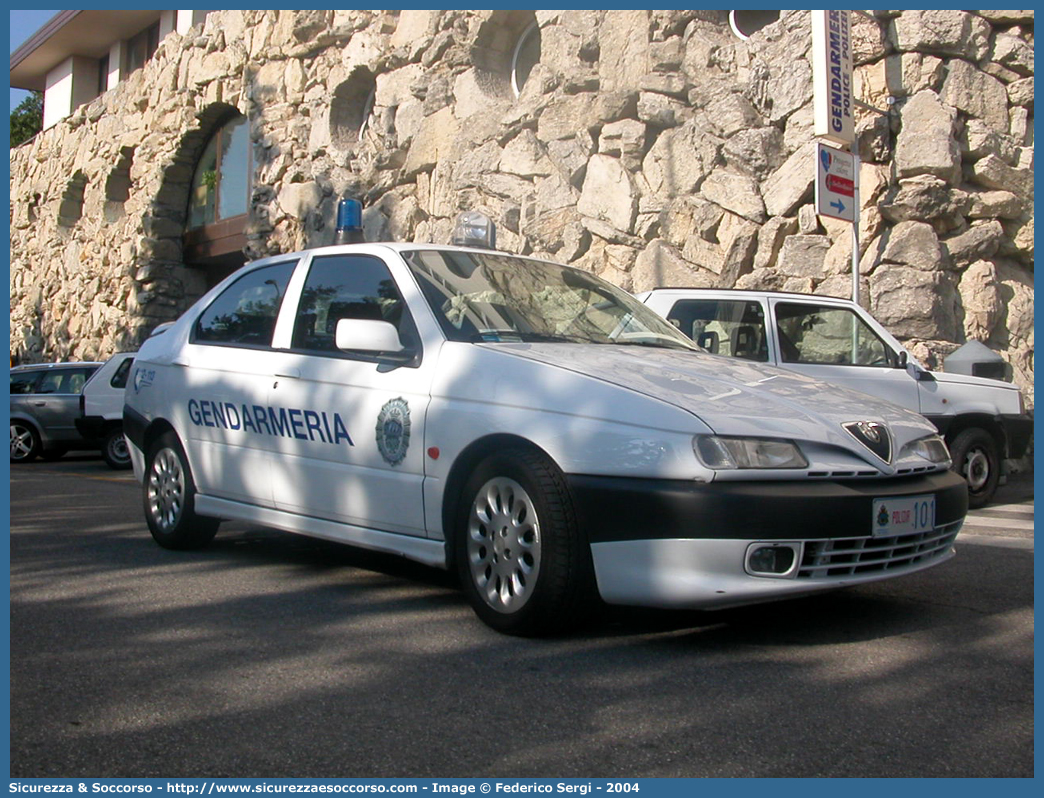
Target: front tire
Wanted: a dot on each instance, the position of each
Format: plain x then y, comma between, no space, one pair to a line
522,559
976,458
25,442
170,496
115,450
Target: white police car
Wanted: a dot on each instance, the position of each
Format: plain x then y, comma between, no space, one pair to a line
529,425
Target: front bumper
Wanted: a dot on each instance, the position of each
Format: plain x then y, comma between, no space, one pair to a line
681,544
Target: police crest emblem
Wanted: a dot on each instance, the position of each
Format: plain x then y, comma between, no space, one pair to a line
393,431
882,516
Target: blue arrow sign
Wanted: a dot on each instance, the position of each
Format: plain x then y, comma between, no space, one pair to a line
836,183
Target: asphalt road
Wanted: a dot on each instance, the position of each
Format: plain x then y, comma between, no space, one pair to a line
271,655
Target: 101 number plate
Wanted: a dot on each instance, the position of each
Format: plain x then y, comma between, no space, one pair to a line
903,515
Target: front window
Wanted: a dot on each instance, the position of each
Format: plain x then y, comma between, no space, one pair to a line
23,382
735,328
484,297
221,184
825,335
348,287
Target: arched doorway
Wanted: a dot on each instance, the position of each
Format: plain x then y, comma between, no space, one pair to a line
219,201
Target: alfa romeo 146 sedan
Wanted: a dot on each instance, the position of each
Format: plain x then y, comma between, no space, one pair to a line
530,426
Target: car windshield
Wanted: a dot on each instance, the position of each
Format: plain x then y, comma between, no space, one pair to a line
494,298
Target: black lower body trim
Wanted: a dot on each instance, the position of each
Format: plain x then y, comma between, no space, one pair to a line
90,427
134,426
621,508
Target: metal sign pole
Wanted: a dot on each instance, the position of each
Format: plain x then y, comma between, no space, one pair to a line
855,230
855,257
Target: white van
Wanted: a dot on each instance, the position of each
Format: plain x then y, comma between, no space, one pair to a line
101,409
983,420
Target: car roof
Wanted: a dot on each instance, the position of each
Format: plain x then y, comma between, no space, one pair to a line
73,364
395,246
749,292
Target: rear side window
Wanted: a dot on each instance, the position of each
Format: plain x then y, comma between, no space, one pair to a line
244,314
23,382
731,327
826,335
119,379
66,381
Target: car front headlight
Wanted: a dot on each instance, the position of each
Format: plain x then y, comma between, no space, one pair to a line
932,448
725,454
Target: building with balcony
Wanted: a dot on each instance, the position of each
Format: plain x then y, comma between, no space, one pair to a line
78,55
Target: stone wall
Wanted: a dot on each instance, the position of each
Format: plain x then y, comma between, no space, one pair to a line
650,147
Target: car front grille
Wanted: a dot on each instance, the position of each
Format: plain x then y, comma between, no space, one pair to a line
905,471
830,559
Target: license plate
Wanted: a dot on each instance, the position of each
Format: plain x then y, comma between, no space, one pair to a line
903,515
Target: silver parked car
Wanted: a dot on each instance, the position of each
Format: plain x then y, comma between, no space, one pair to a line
45,403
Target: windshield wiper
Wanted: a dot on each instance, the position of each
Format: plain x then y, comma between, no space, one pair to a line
513,336
665,344
553,338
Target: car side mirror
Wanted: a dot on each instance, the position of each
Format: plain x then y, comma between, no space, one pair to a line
903,359
915,371
368,335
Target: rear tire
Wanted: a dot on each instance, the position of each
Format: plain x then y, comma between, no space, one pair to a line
169,494
115,450
521,557
976,458
25,442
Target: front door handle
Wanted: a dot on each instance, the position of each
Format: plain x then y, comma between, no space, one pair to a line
290,374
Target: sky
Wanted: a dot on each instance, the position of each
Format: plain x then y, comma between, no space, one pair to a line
23,25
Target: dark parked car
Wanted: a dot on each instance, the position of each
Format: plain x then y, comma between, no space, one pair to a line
45,403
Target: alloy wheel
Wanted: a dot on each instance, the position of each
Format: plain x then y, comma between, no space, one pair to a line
166,496
503,544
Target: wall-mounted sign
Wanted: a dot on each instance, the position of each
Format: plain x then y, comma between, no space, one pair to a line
835,183
832,76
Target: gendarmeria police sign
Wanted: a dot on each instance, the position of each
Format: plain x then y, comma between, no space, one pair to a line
832,76
280,422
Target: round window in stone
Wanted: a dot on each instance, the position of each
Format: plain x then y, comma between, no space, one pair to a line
505,50
221,183
525,57
746,23
352,108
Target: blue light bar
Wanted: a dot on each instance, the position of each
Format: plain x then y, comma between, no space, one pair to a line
349,222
